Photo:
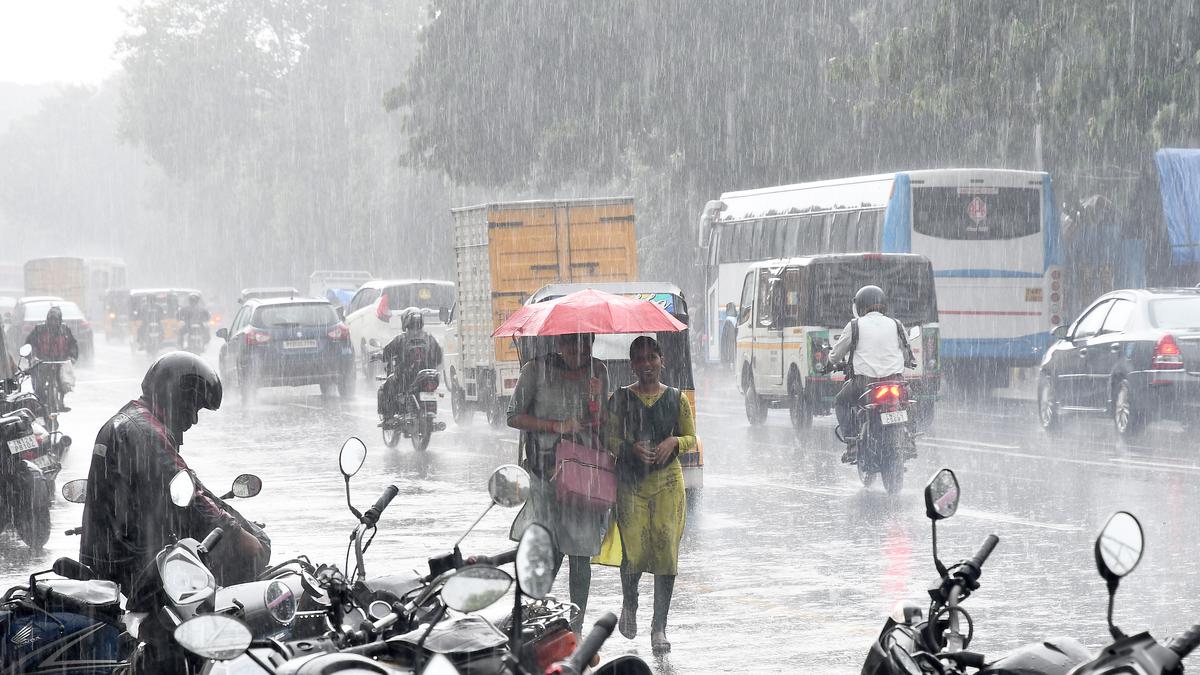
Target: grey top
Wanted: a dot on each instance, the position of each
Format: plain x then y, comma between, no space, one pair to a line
543,392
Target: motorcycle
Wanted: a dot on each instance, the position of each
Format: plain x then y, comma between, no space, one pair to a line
32,460
885,440
915,643
48,384
150,337
15,397
417,416
194,337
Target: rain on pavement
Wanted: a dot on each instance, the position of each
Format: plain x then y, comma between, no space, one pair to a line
788,564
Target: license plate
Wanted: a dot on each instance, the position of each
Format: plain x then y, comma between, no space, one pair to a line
299,344
427,396
894,417
22,444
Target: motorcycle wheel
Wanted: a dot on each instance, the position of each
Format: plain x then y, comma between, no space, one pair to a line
458,407
422,431
892,473
865,473
33,526
391,437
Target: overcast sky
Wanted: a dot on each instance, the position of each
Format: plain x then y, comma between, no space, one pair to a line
68,41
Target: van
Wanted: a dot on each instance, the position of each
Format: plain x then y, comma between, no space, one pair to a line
792,309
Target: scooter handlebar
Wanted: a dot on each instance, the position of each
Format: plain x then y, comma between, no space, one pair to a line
1185,642
497,560
372,515
587,651
981,556
211,540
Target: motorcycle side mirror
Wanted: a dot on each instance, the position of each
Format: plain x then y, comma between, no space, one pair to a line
245,486
1118,551
535,562
75,491
350,460
183,489
373,342
214,636
509,486
941,501
25,351
474,588
223,333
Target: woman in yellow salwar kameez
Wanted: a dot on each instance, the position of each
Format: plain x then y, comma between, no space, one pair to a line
649,425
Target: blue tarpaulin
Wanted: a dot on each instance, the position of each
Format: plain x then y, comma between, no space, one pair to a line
1179,182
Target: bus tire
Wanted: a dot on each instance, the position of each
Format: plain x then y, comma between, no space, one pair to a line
756,410
798,408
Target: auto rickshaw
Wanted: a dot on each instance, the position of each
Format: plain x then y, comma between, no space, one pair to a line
613,350
169,300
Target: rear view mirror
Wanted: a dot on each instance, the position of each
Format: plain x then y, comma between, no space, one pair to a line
535,562
223,333
183,489
1119,546
341,313
941,495
352,456
1059,332
75,491
214,636
25,351
246,485
509,486
474,588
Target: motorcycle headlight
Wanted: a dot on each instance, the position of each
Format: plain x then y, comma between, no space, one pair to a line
281,602
186,581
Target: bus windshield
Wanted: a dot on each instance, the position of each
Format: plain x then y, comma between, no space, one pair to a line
907,283
976,213
421,295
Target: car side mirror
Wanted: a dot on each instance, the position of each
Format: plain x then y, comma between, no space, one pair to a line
444,314
1060,332
223,333
341,312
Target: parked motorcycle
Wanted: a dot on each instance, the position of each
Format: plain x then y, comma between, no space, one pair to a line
885,439
913,642
27,474
417,416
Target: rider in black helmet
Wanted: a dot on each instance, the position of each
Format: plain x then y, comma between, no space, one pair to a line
193,313
407,353
128,516
876,347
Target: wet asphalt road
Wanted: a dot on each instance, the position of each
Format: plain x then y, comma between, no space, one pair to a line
789,564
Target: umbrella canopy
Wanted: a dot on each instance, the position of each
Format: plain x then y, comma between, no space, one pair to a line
588,311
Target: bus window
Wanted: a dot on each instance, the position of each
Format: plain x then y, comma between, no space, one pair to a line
783,226
747,299
976,213
826,231
793,299
793,236
725,248
756,249
870,227
764,318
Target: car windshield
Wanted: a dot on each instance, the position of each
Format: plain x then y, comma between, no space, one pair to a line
1175,313
425,296
36,311
309,314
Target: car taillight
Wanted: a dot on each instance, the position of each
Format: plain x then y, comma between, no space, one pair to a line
339,332
382,310
255,336
85,325
1167,355
554,648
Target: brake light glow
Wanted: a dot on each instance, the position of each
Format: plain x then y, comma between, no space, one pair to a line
1167,355
255,336
382,311
554,648
340,332
889,391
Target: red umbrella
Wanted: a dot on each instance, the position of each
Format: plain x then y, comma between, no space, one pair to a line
588,311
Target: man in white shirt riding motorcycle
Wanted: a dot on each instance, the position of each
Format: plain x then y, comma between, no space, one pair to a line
876,348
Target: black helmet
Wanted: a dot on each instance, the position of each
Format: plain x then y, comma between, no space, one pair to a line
54,315
411,319
869,299
177,386
194,298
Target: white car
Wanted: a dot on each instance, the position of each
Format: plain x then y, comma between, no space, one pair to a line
374,313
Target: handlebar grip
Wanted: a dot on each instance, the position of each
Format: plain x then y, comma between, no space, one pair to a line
989,545
211,540
591,644
372,515
503,558
1185,642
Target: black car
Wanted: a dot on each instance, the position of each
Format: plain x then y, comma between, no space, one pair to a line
287,342
1133,355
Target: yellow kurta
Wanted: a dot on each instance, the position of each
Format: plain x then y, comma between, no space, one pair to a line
650,513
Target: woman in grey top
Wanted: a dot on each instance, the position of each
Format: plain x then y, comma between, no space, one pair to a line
560,395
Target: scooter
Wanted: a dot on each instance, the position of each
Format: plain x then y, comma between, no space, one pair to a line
915,643
417,416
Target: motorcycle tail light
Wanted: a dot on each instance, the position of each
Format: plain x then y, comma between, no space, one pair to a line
1167,355
887,392
554,648
340,332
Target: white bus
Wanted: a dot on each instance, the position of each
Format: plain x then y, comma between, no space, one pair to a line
991,234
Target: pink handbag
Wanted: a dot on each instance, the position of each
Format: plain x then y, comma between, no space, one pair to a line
584,477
